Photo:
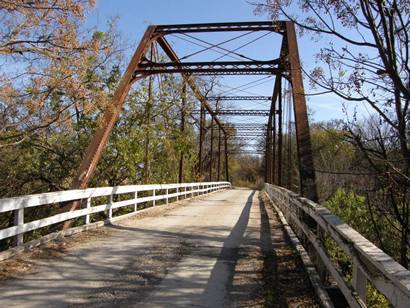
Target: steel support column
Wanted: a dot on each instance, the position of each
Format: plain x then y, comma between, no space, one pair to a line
280,138
272,129
226,159
211,154
306,167
219,154
201,139
268,152
182,129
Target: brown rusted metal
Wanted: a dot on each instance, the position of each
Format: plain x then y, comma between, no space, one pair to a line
100,137
271,130
274,26
110,116
140,67
182,129
226,158
239,112
201,140
280,139
211,151
219,155
268,152
211,68
188,79
239,98
304,147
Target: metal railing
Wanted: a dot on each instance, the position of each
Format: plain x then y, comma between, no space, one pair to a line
96,200
315,224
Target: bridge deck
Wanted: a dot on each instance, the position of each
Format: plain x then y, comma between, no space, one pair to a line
225,249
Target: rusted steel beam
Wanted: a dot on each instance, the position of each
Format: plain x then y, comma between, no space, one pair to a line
271,130
245,138
280,139
182,129
211,154
244,152
274,26
213,68
106,125
268,151
201,140
228,126
226,159
166,47
100,137
304,147
239,112
248,134
239,98
219,155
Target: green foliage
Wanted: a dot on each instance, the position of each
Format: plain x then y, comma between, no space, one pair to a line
351,208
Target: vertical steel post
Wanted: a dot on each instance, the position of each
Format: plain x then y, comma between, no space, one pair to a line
201,139
272,130
147,119
182,129
211,154
306,167
273,167
226,159
219,154
280,138
268,152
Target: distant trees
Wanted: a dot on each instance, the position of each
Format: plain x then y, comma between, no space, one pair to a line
366,60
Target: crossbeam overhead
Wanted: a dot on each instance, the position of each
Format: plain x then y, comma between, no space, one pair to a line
273,26
239,112
239,98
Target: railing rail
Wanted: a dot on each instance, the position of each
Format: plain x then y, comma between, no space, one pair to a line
167,191
368,261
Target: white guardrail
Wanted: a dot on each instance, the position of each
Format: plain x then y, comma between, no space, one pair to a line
369,262
167,191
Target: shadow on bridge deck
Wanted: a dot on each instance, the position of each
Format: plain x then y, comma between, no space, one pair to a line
226,249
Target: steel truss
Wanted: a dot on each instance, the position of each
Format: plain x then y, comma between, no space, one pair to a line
239,98
239,112
210,68
287,66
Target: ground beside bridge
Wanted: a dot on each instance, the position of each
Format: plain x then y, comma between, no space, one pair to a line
227,249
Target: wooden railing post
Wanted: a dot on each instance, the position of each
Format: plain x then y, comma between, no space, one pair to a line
177,193
359,282
166,199
19,221
153,195
136,203
88,206
110,207
321,267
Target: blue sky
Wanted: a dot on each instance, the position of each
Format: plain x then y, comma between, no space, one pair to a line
135,15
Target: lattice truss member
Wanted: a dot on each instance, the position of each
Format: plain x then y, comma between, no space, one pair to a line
264,136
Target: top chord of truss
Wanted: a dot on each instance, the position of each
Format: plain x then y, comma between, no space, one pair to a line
239,98
276,26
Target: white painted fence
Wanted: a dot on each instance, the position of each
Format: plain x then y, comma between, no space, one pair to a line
369,262
167,191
